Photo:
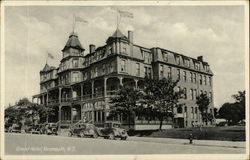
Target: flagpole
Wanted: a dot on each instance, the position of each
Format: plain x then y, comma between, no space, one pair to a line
74,21
117,19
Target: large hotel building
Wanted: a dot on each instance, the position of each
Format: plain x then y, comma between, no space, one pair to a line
81,87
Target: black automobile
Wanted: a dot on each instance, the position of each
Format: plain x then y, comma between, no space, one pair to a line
51,128
82,129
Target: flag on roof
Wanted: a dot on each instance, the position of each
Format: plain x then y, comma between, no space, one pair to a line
79,19
50,55
126,14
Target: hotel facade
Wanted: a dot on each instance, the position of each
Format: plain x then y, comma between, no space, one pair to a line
81,87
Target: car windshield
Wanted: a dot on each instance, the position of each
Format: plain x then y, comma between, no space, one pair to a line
116,125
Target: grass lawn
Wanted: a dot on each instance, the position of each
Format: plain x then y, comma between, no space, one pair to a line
229,133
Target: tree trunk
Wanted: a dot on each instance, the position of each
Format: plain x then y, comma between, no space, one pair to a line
129,119
161,119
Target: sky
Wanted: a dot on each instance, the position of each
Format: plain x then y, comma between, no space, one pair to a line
215,32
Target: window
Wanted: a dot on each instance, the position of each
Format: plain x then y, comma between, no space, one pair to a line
185,76
196,113
192,112
124,49
165,56
188,63
137,69
75,77
75,63
146,71
169,72
195,93
210,96
95,74
197,66
205,80
200,79
185,110
178,74
185,93
210,81
194,75
177,59
149,72
191,94
103,68
179,110
161,71
191,77
111,67
123,65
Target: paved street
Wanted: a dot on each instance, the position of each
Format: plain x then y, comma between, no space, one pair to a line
16,144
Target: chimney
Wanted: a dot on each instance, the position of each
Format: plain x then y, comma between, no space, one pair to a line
200,58
91,48
130,36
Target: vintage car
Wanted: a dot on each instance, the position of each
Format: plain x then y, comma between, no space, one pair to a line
112,130
83,129
16,128
27,128
51,128
38,129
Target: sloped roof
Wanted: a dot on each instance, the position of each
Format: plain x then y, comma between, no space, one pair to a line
46,67
117,34
73,42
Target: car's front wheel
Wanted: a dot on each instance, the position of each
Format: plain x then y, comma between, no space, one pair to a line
70,134
112,136
81,134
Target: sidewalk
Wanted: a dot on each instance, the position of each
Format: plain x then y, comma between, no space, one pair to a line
212,143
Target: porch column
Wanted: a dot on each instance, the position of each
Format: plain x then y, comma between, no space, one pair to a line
59,109
71,113
92,87
32,100
101,115
43,99
81,98
97,115
136,82
120,79
47,104
93,113
105,86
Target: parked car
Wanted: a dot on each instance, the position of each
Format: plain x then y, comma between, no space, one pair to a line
51,128
7,127
112,130
27,128
16,128
83,130
38,129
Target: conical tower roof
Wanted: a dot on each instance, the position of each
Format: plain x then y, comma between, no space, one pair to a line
73,42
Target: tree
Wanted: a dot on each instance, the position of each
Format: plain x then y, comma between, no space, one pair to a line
203,103
161,97
124,104
234,112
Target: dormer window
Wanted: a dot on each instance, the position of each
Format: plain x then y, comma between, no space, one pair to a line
165,56
177,59
197,65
